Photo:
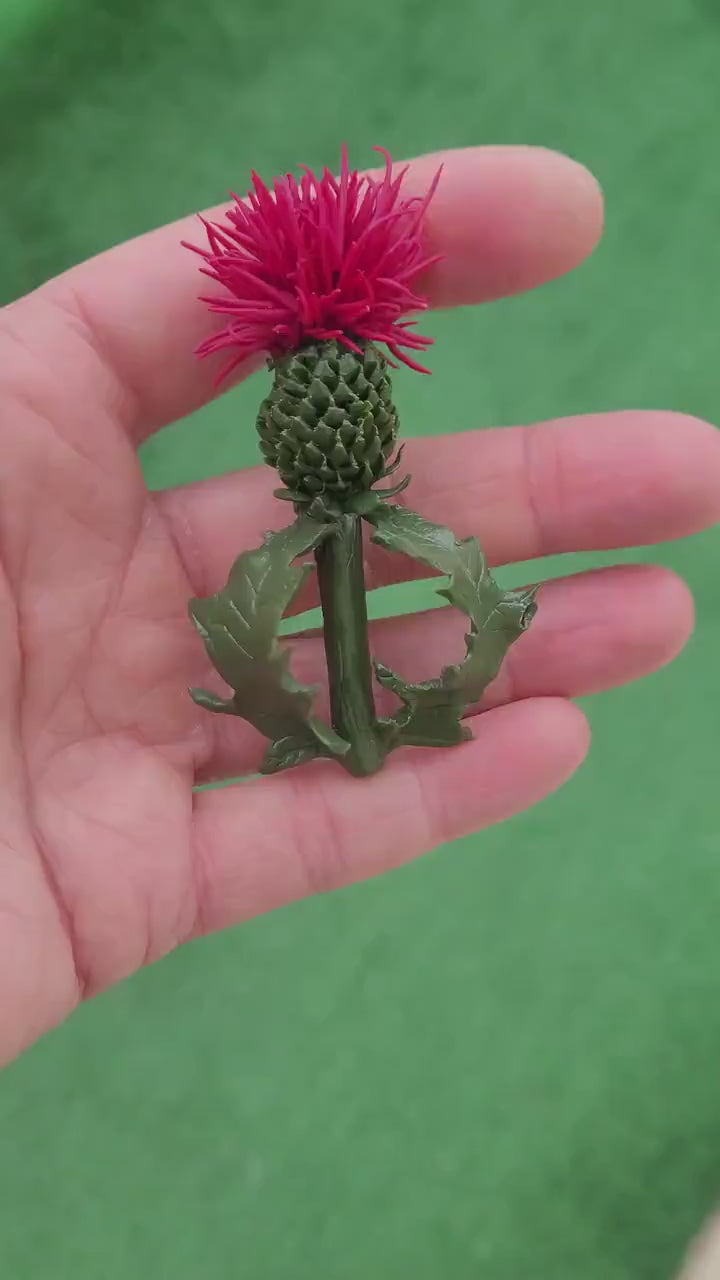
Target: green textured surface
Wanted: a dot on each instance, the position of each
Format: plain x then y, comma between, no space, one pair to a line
503,1062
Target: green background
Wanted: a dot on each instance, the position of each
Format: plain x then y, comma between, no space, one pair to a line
501,1062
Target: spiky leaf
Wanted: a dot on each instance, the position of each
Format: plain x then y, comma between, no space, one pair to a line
239,627
433,709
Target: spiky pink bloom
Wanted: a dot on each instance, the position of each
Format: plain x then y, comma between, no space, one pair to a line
315,259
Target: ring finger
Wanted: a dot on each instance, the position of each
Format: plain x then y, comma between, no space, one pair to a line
593,631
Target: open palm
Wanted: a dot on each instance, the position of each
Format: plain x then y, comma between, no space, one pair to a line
108,856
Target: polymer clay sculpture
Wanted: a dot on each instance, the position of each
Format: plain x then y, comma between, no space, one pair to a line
317,275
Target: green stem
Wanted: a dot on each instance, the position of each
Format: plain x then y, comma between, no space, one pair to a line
342,595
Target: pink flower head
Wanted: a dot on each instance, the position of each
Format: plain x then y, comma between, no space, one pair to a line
315,259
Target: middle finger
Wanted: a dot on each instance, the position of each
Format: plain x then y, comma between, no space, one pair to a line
577,484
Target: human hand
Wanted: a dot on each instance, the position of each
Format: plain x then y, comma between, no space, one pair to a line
108,858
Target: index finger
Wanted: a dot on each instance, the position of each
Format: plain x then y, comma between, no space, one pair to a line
505,219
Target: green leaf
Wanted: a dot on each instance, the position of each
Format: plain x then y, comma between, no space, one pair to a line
239,627
433,709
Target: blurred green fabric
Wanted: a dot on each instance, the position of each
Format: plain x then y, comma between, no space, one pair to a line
502,1062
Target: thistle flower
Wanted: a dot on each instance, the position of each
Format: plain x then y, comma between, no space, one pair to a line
315,260
316,272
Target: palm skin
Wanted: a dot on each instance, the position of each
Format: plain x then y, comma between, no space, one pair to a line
108,856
